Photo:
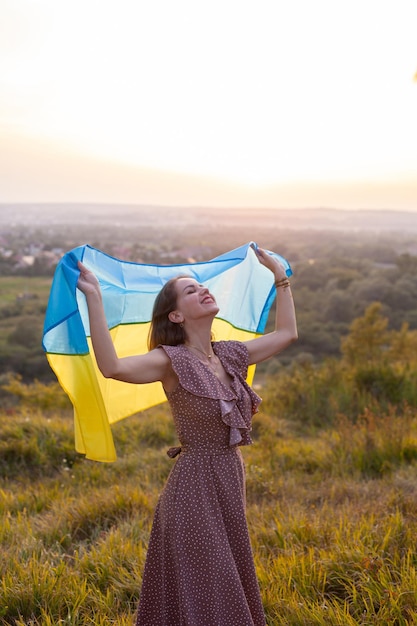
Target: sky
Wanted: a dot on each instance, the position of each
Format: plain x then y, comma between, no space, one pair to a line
263,103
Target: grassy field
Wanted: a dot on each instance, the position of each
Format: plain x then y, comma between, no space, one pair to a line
23,303
332,513
13,286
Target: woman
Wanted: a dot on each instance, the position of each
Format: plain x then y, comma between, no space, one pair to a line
199,568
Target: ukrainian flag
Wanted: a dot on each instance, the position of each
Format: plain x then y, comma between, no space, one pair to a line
243,289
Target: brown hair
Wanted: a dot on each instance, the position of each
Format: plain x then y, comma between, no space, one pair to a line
162,330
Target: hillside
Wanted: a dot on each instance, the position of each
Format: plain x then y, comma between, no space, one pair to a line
141,215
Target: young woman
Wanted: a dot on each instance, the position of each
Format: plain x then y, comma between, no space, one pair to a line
199,568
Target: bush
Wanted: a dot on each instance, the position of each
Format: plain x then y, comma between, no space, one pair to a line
381,382
374,445
36,395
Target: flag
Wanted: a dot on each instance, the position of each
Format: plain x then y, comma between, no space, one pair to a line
244,291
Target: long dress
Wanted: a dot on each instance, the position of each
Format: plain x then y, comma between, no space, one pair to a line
199,569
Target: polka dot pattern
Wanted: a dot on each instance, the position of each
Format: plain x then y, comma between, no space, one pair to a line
199,569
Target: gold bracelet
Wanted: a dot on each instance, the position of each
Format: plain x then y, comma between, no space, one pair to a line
282,283
280,280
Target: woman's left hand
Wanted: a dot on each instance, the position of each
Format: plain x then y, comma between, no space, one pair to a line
271,263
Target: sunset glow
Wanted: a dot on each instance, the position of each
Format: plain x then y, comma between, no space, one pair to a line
252,97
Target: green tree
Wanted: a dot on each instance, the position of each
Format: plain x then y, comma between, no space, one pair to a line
407,263
403,345
368,337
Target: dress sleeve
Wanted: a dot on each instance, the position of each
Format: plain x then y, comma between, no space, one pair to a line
236,354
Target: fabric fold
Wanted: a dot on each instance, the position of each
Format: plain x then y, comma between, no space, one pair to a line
234,419
238,402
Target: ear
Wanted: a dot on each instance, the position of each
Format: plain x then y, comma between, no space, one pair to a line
175,317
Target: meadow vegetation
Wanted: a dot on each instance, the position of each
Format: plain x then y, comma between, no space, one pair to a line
331,495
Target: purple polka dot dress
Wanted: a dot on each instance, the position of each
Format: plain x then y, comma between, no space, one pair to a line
199,568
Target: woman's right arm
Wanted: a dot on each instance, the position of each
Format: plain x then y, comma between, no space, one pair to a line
142,368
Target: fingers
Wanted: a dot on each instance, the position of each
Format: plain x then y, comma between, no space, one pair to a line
264,257
260,252
84,277
84,271
270,262
87,281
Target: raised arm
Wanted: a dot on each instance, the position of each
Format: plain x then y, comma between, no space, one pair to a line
285,331
145,368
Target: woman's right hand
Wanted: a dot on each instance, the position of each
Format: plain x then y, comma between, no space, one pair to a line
87,281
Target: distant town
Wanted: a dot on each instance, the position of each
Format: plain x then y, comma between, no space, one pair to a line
33,237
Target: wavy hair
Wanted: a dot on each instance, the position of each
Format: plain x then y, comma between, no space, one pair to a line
162,330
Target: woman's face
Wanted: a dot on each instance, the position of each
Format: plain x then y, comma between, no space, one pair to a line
194,300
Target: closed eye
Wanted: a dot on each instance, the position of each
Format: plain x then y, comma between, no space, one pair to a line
192,288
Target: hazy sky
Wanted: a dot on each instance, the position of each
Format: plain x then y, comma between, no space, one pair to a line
224,102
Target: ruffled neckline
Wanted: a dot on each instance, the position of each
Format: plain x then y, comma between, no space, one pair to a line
237,407
207,367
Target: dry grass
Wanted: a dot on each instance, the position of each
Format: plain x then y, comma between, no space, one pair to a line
333,532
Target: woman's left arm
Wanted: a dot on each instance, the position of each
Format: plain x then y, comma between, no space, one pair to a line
285,331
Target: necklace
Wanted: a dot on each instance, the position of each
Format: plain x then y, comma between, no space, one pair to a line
212,364
208,356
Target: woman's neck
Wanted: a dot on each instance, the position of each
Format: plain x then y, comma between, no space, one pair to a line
200,341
